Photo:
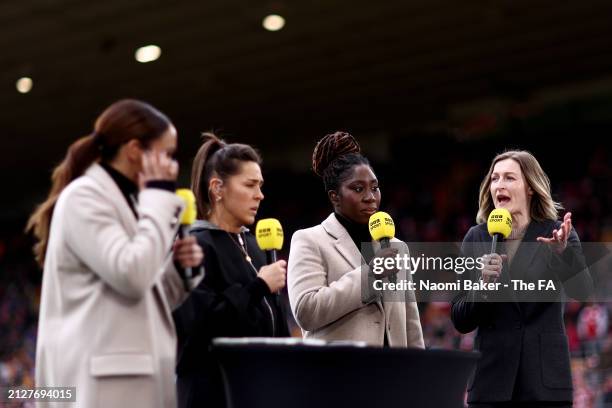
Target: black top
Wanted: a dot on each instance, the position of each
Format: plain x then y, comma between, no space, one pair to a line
129,189
525,354
360,234
231,301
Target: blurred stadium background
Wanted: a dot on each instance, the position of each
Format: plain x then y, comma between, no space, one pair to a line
432,90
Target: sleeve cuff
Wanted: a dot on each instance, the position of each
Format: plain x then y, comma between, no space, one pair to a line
167,185
259,288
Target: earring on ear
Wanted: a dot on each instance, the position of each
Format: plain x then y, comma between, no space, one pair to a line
218,198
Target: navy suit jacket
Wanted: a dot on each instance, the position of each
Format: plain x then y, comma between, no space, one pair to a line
525,354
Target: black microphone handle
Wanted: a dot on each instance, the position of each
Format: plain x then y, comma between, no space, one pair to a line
271,256
186,273
494,243
494,247
386,243
270,259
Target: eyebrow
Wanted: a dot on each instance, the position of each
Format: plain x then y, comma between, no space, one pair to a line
364,181
504,172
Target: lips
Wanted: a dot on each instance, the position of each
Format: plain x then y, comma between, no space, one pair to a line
369,211
502,199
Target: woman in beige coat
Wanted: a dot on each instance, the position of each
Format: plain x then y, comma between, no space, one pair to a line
105,238
328,277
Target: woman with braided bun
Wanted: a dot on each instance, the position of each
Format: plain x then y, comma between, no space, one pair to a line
330,264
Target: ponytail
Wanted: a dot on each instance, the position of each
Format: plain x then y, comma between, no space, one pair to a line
80,155
219,159
199,181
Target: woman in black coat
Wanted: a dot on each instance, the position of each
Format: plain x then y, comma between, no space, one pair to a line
525,356
238,296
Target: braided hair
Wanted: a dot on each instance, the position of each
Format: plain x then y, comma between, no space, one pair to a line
334,157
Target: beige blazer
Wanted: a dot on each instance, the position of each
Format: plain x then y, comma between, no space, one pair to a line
108,289
325,279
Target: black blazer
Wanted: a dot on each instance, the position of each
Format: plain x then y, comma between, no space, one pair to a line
525,354
231,301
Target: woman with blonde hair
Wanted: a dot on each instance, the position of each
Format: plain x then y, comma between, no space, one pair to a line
525,354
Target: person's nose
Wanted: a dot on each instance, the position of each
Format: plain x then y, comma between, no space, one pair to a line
369,197
259,194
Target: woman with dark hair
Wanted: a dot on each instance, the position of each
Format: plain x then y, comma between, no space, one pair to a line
105,237
521,335
328,278
238,296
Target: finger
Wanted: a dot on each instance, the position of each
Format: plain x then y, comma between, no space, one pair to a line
174,169
163,165
141,180
146,163
560,235
545,240
504,257
186,252
189,239
189,250
555,235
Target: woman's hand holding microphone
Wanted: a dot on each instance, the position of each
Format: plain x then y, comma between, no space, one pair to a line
492,267
275,275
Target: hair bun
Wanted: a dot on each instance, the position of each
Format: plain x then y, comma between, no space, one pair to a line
330,147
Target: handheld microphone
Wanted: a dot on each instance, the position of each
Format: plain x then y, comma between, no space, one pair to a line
382,229
188,218
269,235
499,225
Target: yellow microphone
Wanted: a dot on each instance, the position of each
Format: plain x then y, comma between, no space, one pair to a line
187,218
269,235
190,213
382,229
499,225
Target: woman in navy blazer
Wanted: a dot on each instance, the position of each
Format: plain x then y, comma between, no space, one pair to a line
525,356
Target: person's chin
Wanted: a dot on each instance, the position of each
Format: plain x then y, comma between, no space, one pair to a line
363,218
249,220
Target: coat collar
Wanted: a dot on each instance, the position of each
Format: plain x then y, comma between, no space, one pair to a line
344,243
528,248
108,185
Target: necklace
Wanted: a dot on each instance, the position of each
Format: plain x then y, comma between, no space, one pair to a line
241,244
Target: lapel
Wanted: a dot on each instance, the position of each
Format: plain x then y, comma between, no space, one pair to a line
108,185
527,249
346,247
343,242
